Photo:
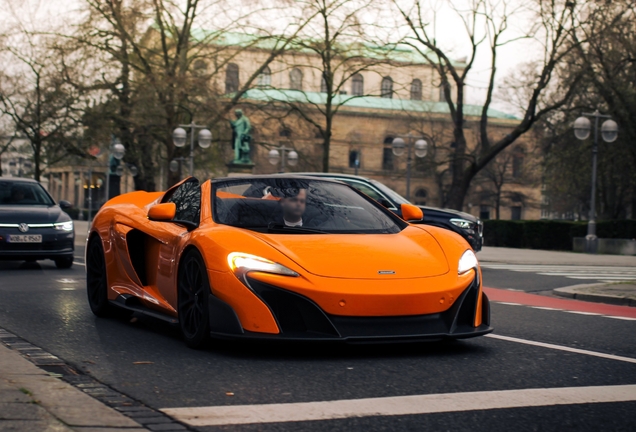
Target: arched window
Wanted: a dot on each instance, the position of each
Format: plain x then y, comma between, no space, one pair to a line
199,66
265,78
420,196
357,85
416,89
231,78
387,88
296,79
354,159
387,154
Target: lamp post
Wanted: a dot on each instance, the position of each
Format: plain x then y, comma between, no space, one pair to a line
117,151
282,154
132,170
175,164
609,132
399,146
179,139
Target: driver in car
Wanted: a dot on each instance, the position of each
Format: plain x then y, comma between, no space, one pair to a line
294,206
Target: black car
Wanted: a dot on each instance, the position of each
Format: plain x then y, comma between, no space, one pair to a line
464,224
32,226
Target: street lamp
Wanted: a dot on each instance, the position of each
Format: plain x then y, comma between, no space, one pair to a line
284,155
179,139
609,132
175,164
117,151
399,147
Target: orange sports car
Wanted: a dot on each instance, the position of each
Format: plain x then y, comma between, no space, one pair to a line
282,257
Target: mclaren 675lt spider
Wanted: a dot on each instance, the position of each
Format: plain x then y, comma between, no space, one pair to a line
282,257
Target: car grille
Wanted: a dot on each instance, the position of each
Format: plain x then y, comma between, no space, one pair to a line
44,246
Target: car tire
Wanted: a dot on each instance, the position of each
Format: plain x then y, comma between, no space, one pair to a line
64,263
193,292
96,281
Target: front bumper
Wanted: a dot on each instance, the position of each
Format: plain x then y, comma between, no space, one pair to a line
55,244
300,319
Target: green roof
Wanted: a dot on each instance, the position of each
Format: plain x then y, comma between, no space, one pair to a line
395,52
367,102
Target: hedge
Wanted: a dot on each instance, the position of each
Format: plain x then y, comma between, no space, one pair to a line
550,234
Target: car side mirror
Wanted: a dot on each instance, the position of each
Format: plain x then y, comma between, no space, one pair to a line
411,212
162,212
65,205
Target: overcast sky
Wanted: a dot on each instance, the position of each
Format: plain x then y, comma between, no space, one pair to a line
449,30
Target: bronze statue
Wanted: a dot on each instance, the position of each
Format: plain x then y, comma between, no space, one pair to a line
241,138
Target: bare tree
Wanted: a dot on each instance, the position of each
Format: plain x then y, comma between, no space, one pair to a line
333,49
507,175
40,106
603,58
487,23
159,63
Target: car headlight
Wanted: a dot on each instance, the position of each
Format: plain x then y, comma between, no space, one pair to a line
242,263
64,226
462,223
467,262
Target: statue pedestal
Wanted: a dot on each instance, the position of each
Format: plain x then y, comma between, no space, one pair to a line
238,169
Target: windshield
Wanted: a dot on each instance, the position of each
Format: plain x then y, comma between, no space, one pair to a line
301,206
396,197
23,193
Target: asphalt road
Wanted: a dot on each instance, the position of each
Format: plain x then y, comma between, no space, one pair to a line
48,307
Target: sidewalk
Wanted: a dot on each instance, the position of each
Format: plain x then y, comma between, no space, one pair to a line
33,400
532,256
623,294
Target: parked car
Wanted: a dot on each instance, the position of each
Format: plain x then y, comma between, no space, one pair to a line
464,224
32,226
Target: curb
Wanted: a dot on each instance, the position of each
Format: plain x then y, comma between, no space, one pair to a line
129,408
573,292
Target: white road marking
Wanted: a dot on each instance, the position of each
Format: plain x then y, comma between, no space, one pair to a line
620,318
600,273
582,313
600,278
400,405
79,263
563,348
568,311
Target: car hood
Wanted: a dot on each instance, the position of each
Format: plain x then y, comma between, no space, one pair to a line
412,253
449,213
31,214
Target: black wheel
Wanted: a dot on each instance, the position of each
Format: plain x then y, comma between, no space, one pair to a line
193,291
64,263
96,284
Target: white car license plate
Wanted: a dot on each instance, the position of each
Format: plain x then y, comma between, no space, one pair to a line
25,238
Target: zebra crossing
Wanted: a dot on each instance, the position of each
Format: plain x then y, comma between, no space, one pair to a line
599,273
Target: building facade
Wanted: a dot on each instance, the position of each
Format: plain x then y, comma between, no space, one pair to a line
397,96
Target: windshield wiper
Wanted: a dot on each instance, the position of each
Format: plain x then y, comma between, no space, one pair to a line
280,228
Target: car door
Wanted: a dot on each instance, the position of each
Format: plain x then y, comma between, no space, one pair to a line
150,250
187,199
